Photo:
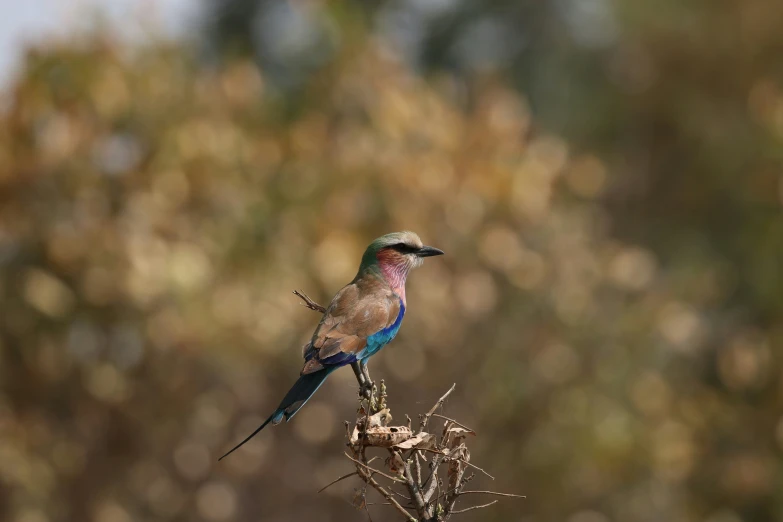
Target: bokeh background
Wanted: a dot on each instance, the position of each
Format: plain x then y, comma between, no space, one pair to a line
605,177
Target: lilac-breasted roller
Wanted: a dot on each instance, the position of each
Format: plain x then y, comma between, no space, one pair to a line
360,320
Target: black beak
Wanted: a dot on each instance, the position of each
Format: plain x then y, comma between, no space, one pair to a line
428,251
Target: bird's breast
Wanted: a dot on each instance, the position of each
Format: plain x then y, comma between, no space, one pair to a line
379,339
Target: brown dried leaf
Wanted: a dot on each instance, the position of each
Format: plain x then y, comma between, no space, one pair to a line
383,436
455,435
382,418
395,463
460,432
421,440
459,452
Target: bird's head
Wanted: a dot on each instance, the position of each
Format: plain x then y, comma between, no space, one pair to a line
396,254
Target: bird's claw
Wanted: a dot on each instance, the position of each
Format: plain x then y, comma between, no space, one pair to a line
367,390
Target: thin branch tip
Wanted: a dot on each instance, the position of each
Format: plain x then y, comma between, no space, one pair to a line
309,303
458,511
494,493
335,481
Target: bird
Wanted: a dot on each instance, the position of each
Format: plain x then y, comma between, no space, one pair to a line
363,317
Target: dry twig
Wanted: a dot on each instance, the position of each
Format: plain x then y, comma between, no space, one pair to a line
426,418
453,421
335,481
309,303
373,470
458,511
494,493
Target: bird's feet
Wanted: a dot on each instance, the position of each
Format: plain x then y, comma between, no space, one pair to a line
366,390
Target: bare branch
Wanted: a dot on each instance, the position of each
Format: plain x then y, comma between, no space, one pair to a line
438,404
399,494
309,303
367,507
385,494
455,474
417,467
436,460
415,491
478,468
464,481
458,511
493,493
338,480
373,470
453,421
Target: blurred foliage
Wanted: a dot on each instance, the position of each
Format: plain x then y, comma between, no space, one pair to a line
679,99
616,349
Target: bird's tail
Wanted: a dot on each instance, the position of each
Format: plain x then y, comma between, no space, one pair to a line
297,396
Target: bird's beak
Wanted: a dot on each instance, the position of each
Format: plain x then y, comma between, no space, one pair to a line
427,251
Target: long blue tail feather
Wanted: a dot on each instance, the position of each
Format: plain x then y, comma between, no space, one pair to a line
297,396
304,388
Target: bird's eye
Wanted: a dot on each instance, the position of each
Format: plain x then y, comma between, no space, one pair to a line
403,248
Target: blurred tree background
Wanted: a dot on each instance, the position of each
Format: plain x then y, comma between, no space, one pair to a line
604,176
